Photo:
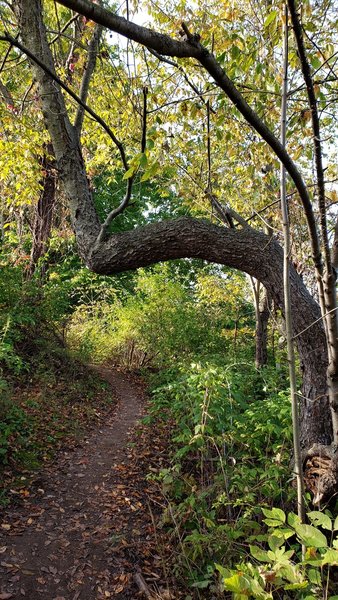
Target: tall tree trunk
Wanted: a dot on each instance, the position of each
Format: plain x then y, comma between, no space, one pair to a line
44,210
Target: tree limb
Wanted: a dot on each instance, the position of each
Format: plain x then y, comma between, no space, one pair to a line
164,44
306,70
87,75
161,43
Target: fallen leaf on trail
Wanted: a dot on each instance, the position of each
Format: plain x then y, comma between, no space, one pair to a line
119,589
3,549
5,526
53,570
5,595
29,521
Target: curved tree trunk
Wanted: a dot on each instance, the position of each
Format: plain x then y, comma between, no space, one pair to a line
245,249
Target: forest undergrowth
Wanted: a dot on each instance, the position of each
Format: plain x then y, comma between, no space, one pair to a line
227,486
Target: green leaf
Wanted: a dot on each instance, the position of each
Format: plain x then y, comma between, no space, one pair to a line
284,533
221,57
201,584
315,62
296,586
235,52
143,160
315,576
271,17
259,554
310,536
330,557
236,583
128,174
293,520
151,171
335,524
275,516
275,542
320,519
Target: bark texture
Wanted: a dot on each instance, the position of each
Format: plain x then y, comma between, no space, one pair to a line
62,133
44,209
262,321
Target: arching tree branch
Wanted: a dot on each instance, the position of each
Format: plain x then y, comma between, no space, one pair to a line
164,44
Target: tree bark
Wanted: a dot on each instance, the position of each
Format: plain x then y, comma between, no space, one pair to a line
263,311
44,210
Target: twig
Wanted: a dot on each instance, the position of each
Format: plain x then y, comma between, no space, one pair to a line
144,120
179,68
74,18
209,147
143,586
115,212
314,322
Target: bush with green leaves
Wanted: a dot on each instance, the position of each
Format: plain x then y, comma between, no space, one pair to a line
231,443
292,560
162,320
15,428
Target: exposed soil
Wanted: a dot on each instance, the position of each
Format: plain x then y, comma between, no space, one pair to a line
85,530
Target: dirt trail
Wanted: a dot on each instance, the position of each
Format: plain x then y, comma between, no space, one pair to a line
59,545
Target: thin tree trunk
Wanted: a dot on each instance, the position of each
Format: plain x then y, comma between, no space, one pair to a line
298,468
262,322
44,210
262,304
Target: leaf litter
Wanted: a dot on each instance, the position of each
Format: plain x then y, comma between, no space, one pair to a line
84,529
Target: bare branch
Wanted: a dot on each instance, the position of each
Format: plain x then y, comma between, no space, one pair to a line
159,42
306,70
144,120
64,28
114,213
87,75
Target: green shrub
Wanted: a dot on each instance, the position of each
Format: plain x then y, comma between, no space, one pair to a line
230,456
15,428
279,568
